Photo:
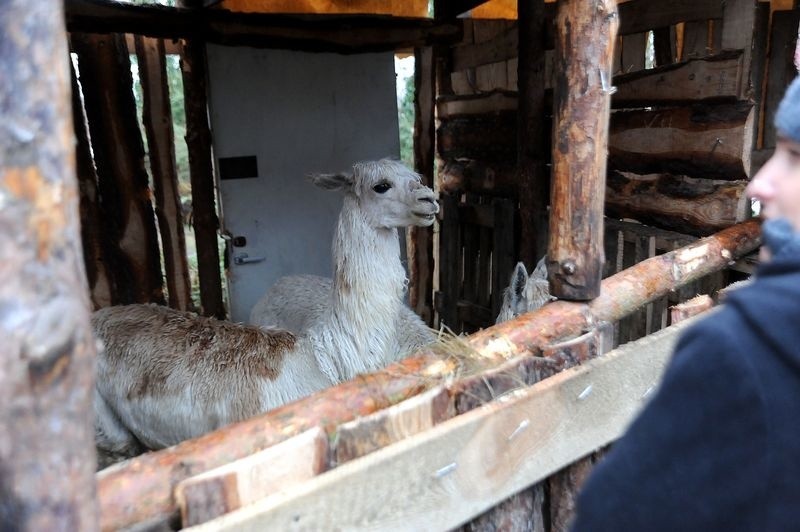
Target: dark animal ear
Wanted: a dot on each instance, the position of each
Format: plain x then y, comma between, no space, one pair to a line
340,181
518,281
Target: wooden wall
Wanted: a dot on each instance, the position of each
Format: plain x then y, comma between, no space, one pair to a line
691,123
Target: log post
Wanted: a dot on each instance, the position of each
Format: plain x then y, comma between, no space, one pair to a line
585,36
141,489
198,140
133,257
157,120
420,256
47,459
534,182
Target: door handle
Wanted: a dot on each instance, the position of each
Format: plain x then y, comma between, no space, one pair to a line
243,258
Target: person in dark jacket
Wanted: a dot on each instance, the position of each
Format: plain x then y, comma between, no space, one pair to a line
718,446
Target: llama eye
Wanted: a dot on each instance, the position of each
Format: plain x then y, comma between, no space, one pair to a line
380,188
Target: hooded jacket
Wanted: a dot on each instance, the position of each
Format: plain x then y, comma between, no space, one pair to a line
718,446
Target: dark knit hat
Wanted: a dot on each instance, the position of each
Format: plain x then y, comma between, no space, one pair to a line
787,119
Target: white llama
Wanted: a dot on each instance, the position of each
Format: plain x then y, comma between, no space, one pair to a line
525,293
166,375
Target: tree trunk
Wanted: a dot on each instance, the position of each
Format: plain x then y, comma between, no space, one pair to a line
46,438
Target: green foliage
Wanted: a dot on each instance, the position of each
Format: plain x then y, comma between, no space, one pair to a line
405,113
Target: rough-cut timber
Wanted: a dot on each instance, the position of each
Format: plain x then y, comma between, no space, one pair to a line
157,119
479,177
105,75
466,136
420,239
314,33
227,488
141,489
683,204
204,211
704,141
584,56
712,78
533,178
46,378
92,234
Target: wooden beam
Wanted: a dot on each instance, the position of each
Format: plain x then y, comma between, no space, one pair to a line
704,141
693,307
714,78
93,237
123,183
445,476
157,119
738,32
690,206
204,211
141,489
420,239
781,70
580,125
533,178
242,482
47,457
331,33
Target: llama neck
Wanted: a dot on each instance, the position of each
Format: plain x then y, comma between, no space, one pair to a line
368,286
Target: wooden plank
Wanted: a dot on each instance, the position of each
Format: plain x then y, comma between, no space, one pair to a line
665,240
690,206
738,26
695,40
444,476
467,137
639,16
758,65
450,107
235,485
783,40
693,307
491,77
198,141
503,251
485,237
532,131
157,119
47,456
449,260
581,101
364,435
133,257
93,237
713,78
421,257
314,33
633,52
704,141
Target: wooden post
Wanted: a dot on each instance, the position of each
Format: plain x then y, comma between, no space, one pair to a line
198,140
133,258
101,287
157,119
534,181
585,36
46,361
420,250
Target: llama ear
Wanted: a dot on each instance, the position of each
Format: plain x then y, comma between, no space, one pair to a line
540,272
340,181
518,281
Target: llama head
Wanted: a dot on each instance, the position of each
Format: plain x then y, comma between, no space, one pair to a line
525,293
388,194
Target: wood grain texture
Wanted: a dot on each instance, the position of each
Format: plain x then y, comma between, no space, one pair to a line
442,477
242,482
690,206
703,141
582,98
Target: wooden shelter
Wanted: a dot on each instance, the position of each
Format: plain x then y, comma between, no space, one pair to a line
616,137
